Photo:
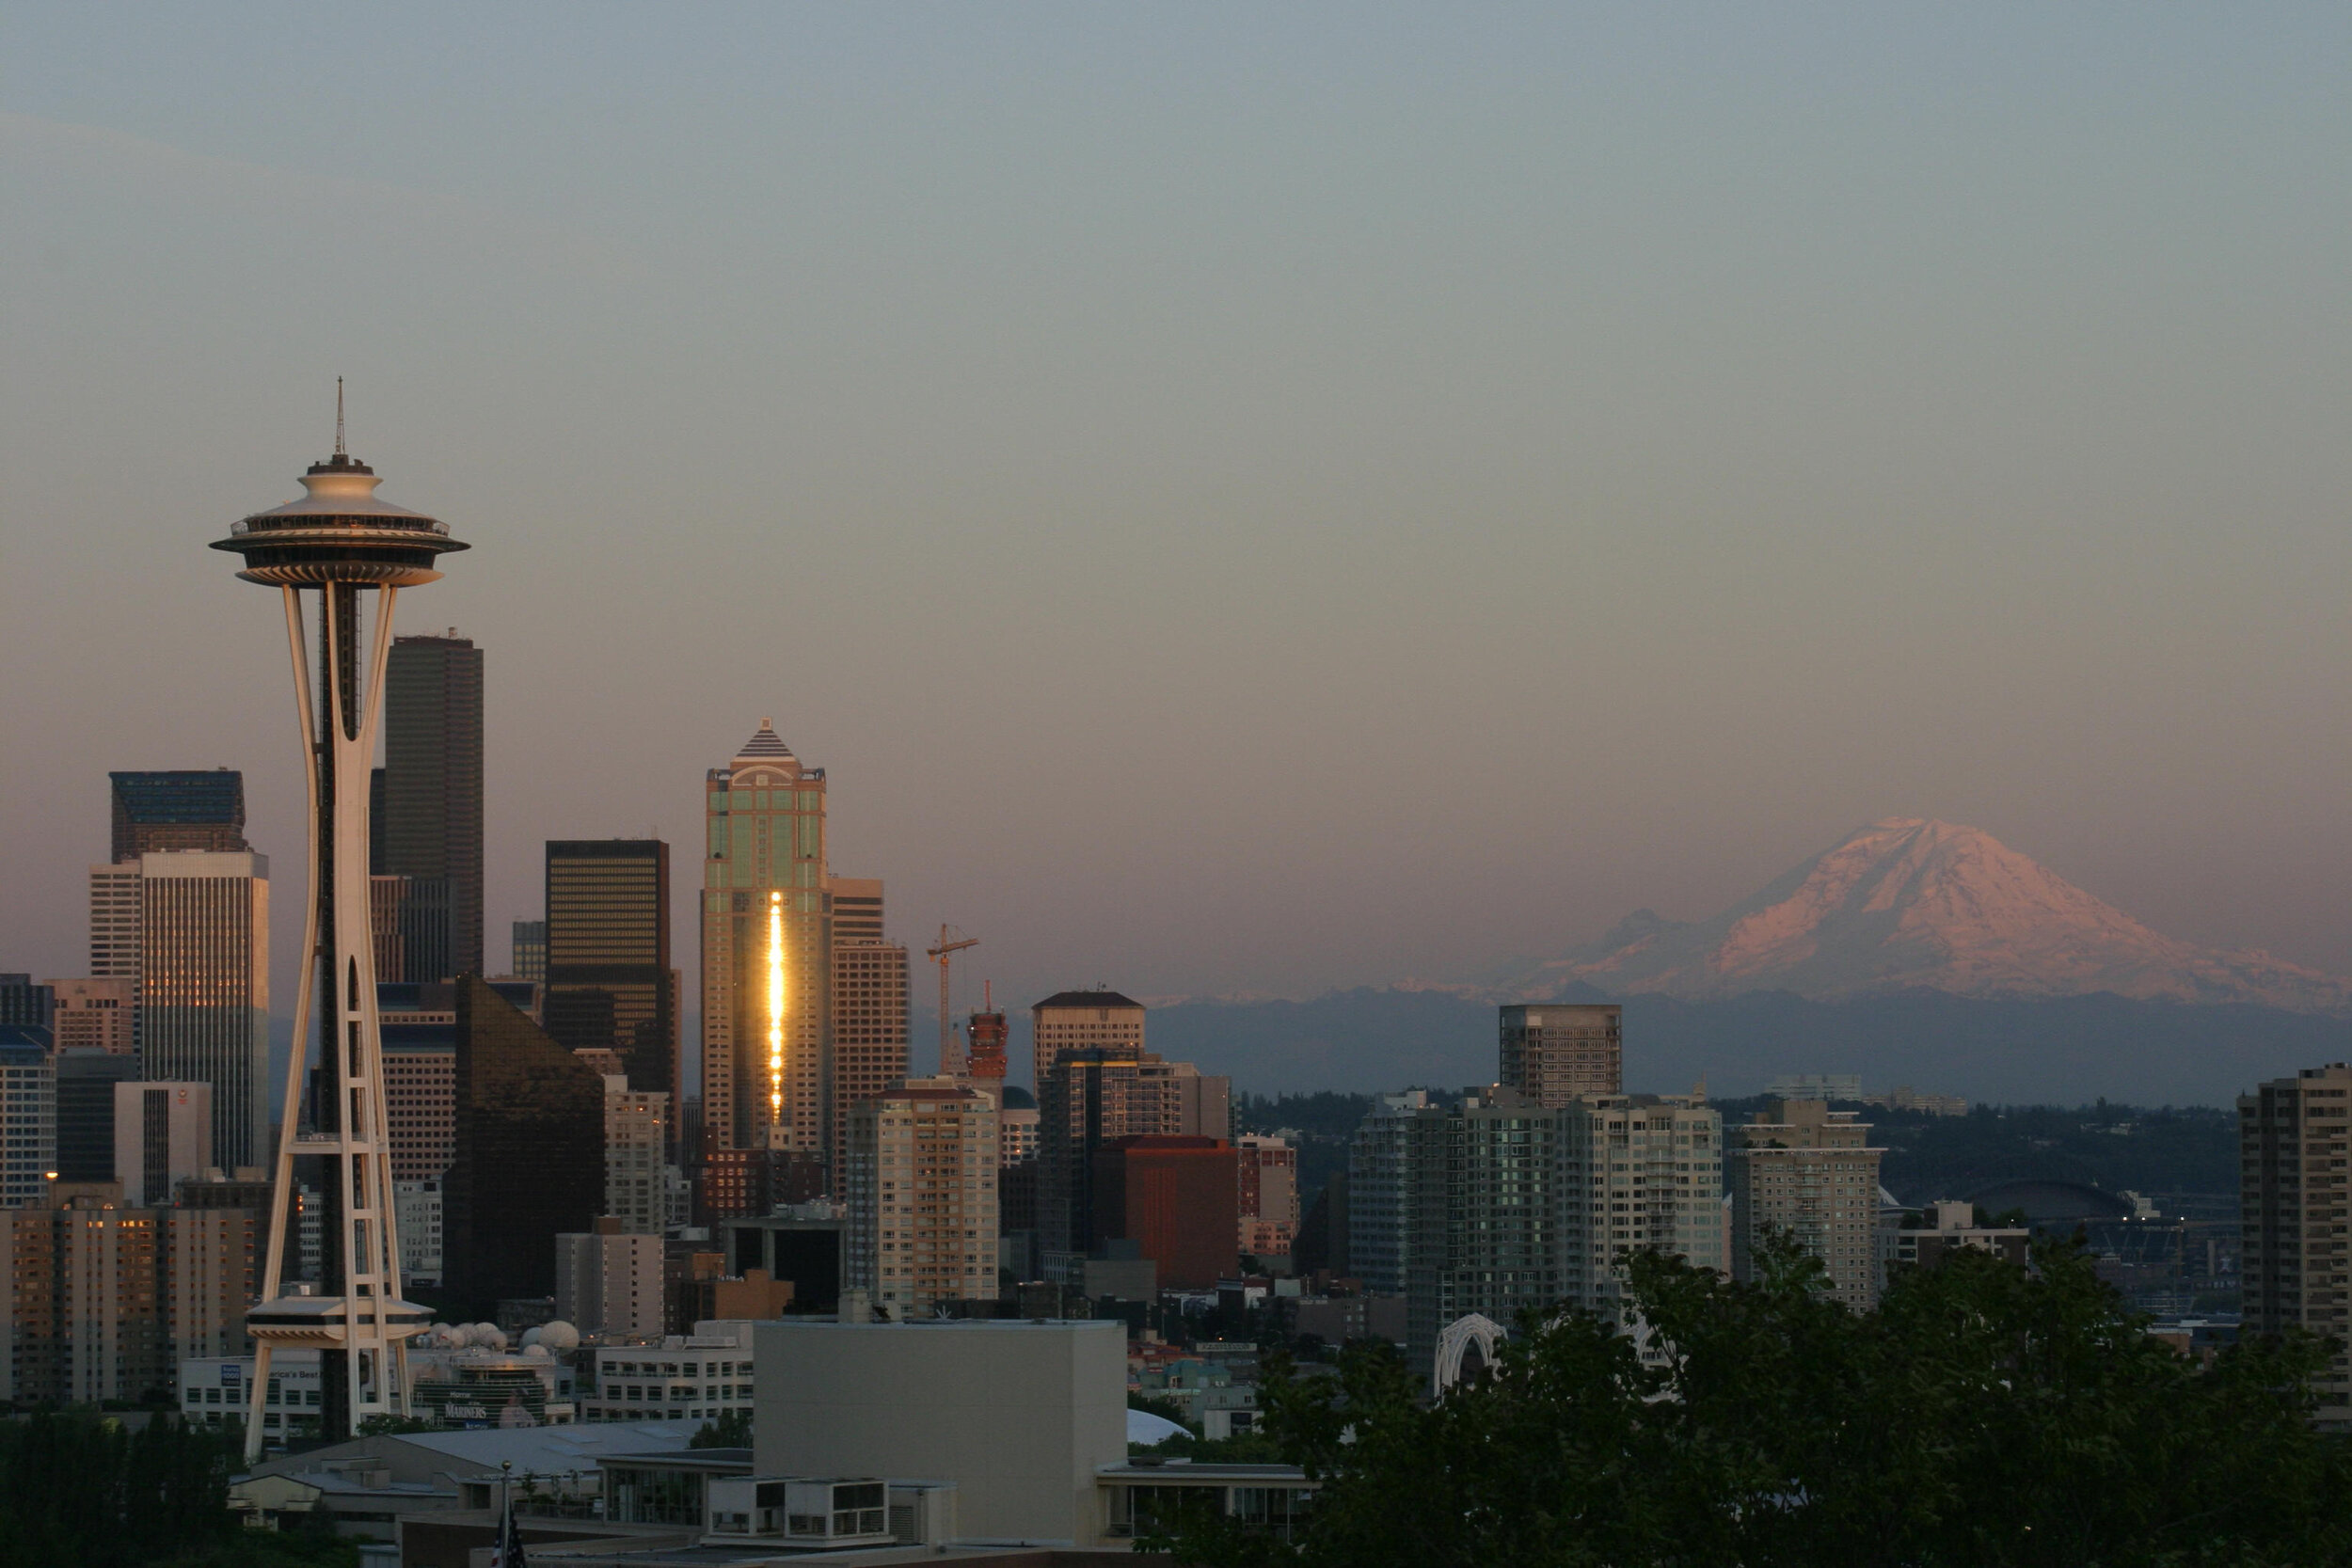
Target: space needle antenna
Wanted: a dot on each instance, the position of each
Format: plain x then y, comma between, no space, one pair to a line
339,419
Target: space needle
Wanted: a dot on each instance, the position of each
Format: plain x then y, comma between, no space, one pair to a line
337,541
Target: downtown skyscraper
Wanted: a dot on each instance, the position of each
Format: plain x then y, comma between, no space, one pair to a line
610,987
767,954
181,808
204,987
430,833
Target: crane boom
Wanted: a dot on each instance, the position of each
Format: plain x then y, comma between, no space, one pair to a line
951,941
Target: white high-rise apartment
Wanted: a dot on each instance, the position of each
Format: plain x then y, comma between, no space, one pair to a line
1804,1169
203,962
922,1196
1641,1173
635,1123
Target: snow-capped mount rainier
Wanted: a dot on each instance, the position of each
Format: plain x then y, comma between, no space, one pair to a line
1907,904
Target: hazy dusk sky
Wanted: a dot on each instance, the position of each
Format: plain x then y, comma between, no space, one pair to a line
1240,500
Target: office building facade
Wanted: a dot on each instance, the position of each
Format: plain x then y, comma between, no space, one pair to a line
530,955
609,1281
1266,1195
28,1103
176,809
2295,1136
1380,1187
921,1194
1177,1198
86,1112
163,1137
610,984
1083,1021
1799,1168
416,1204
528,1157
636,1133
767,950
869,1017
94,1015
204,987
22,1002
431,828
114,930
1553,1052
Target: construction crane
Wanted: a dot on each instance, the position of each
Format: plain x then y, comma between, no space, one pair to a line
951,941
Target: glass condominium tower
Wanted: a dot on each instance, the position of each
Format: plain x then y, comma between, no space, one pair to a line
766,953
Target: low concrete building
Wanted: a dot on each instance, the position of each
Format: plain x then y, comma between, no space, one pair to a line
376,1486
1141,1497
698,1377
214,1387
1019,1416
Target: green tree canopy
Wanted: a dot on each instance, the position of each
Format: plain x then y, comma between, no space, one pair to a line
1984,1414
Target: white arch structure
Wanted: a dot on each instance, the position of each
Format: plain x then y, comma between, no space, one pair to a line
1458,1337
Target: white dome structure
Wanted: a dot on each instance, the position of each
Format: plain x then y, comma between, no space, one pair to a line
558,1335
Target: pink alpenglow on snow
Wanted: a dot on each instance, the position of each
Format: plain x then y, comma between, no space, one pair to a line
1907,903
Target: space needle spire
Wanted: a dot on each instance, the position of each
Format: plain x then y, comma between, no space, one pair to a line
339,542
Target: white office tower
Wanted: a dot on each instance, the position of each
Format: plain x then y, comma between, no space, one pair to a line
163,1137
342,544
203,987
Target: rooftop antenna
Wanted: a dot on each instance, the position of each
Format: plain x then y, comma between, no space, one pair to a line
339,419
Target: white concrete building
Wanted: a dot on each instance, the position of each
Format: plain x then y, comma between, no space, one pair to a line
213,1387
163,1137
921,1188
1020,1415
691,1377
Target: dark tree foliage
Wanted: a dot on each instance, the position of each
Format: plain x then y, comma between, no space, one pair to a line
1984,1416
77,1490
731,1430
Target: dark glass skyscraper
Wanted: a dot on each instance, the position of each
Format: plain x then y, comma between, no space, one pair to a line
178,809
609,981
530,1153
432,820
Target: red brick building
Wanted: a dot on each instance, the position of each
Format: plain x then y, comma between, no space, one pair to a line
1178,1197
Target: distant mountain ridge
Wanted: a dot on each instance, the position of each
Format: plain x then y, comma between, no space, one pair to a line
2051,1050
1912,905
